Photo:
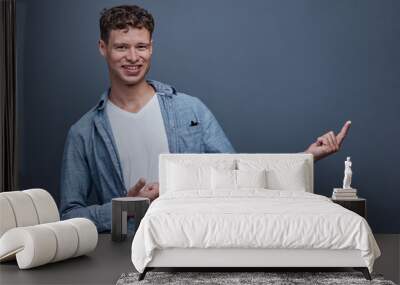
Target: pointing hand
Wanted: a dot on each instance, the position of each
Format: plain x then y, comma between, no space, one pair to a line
328,143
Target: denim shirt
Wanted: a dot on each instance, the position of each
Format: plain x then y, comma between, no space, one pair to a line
91,161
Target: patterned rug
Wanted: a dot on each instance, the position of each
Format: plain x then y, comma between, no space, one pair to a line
269,278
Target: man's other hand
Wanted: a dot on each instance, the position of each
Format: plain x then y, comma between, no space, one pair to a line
150,191
328,143
140,189
134,191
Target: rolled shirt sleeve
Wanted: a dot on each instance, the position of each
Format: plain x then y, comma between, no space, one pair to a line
76,184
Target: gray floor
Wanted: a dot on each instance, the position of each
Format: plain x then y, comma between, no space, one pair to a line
389,262
102,266
110,260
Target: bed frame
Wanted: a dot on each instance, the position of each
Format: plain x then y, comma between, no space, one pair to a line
242,259
245,257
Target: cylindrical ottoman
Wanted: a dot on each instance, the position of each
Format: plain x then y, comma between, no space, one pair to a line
121,209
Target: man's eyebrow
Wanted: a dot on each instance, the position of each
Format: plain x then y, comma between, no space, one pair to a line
119,44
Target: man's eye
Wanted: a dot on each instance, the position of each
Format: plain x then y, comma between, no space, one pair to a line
121,47
144,47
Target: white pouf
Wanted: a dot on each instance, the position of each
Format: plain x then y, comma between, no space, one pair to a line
32,233
37,245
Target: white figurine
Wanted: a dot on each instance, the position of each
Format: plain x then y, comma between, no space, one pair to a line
348,173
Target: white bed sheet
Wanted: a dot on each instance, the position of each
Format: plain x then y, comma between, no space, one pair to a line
250,218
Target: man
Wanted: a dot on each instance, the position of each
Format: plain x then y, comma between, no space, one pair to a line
115,144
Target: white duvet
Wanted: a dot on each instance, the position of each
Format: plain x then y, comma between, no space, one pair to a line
250,219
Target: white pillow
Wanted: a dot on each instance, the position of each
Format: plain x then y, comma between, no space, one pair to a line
237,179
223,179
184,174
291,179
281,174
251,178
183,178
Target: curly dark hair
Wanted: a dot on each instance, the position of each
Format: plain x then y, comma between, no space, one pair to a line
120,17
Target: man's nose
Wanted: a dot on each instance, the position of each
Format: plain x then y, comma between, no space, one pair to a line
132,55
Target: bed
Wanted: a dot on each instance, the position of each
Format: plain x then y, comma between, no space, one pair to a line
247,210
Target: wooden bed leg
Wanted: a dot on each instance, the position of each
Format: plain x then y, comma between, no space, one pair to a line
364,271
143,274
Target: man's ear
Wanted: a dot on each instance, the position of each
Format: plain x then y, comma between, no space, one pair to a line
151,46
102,47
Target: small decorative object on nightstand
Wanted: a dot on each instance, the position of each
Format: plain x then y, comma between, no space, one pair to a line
122,208
358,205
348,173
347,192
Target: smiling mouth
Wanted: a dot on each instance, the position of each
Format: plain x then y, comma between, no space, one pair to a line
132,68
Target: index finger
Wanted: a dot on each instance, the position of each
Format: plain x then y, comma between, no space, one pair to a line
137,187
343,132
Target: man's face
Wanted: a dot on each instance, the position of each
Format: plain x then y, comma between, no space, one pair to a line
128,55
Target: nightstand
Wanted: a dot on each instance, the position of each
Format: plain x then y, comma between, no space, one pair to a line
358,205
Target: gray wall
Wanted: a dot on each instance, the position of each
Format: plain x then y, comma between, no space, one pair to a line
276,74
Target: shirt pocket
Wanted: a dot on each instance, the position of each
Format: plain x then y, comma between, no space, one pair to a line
190,138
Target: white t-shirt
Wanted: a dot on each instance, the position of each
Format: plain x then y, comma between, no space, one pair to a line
140,137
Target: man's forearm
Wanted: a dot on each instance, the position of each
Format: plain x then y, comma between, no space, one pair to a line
99,214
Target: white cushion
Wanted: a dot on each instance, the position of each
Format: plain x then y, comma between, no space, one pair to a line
7,218
291,179
188,175
45,205
66,237
23,208
40,244
87,235
223,179
183,178
282,174
251,178
226,179
32,246
26,208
